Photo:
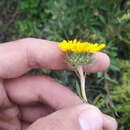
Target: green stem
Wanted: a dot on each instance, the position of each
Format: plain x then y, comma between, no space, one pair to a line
82,82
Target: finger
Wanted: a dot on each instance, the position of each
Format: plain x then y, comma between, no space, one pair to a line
109,123
8,112
31,89
100,63
30,113
25,125
4,101
13,124
9,119
81,117
23,55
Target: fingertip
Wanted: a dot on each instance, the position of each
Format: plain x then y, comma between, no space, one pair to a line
109,123
100,63
90,118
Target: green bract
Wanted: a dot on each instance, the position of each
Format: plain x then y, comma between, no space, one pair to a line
78,59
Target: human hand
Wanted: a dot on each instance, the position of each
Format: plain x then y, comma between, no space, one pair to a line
38,102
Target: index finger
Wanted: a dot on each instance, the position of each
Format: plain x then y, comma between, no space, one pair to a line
18,57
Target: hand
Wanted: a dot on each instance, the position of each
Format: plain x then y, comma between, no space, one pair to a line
38,102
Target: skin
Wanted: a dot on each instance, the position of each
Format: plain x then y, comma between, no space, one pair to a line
39,102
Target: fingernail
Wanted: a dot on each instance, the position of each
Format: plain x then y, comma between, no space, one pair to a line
90,120
83,121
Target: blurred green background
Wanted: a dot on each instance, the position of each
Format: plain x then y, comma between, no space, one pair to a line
86,20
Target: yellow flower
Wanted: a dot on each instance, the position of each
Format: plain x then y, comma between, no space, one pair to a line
79,47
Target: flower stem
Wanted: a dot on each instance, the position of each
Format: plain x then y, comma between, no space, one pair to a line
82,82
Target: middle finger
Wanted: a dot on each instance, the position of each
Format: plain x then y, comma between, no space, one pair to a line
30,89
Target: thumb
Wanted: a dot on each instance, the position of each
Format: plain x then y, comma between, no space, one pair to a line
80,117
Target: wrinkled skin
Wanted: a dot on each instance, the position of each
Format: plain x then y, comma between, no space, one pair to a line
26,98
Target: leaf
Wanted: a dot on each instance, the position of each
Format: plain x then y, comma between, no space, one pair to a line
102,19
112,80
114,67
99,74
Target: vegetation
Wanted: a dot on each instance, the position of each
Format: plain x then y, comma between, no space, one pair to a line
85,20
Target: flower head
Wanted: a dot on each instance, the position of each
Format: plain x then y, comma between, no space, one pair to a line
79,54
80,47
